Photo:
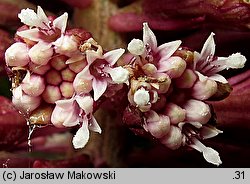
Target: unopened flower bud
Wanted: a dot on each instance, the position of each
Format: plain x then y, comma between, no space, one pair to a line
58,62
149,69
82,85
53,77
204,88
34,86
68,75
41,53
174,66
66,45
24,102
173,139
51,94
158,126
175,113
17,55
197,111
67,89
141,97
78,66
136,47
186,80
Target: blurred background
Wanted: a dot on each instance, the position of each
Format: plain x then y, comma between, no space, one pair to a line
113,23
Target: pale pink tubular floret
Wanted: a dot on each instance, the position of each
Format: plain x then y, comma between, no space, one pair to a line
41,53
74,111
24,102
175,113
157,125
65,113
66,45
99,83
17,55
186,80
173,66
209,65
174,138
33,85
197,111
204,87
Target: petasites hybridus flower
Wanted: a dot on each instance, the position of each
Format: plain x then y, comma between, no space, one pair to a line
168,87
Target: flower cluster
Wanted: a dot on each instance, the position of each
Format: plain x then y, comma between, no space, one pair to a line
56,70
170,86
60,75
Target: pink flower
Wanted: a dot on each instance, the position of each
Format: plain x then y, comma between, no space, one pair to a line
96,74
76,111
158,58
209,65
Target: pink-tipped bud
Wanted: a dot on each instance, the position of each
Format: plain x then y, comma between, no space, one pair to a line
58,62
175,66
186,80
197,111
175,113
66,45
17,55
82,85
173,139
39,69
53,77
24,102
157,125
149,69
204,88
41,53
51,94
78,66
68,75
34,86
67,89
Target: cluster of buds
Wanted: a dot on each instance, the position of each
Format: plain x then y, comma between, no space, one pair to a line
169,88
60,76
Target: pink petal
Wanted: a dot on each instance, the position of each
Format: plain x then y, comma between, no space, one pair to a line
208,47
65,104
99,87
31,34
82,136
61,22
72,118
42,15
85,103
113,55
91,56
149,37
166,50
94,126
